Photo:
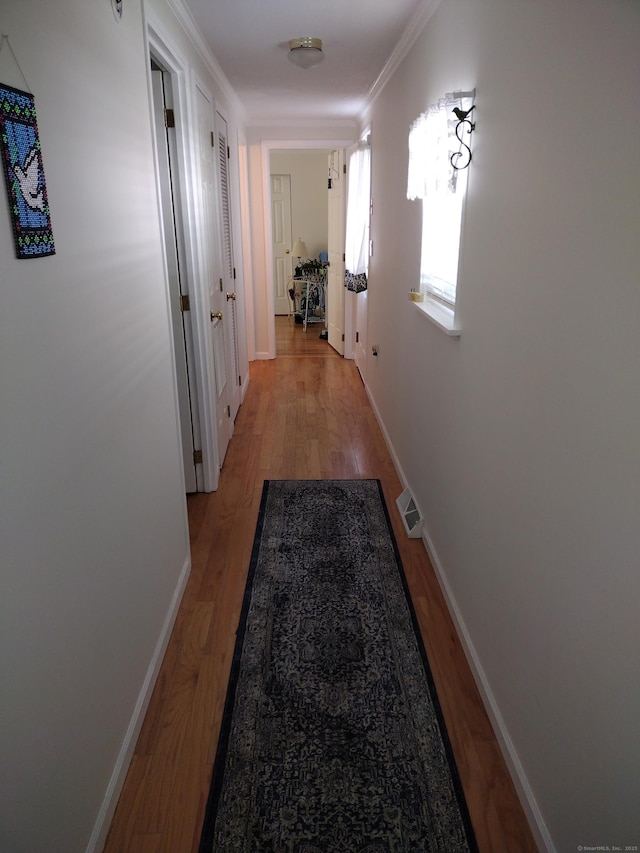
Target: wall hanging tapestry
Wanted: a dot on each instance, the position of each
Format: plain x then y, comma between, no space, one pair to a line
332,739
24,174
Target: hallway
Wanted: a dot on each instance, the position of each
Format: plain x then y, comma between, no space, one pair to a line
304,416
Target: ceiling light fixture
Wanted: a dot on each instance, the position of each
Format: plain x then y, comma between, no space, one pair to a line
305,52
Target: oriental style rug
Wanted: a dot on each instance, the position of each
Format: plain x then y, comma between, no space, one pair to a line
332,738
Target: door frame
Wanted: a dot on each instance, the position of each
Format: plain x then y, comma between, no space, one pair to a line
158,46
174,251
267,145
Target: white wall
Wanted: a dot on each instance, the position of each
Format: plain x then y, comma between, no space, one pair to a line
520,439
92,509
309,194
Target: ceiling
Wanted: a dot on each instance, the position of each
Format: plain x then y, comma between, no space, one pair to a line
250,41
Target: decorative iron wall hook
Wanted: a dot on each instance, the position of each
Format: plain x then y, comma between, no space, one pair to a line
464,124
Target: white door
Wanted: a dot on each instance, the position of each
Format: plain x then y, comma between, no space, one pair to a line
360,322
335,273
230,307
215,286
281,236
179,299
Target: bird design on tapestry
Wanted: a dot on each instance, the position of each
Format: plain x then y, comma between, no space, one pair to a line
28,177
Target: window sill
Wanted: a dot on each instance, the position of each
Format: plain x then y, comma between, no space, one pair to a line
439,315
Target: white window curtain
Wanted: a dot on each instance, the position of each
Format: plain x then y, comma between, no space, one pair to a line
432,178
358,209
432,141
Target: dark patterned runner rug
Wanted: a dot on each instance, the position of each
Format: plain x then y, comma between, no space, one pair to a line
332,739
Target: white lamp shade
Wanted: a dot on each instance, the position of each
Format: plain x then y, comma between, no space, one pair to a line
305,52
299,249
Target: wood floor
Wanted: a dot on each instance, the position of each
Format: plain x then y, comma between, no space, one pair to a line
305,415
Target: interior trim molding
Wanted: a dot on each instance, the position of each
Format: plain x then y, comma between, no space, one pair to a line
295,124
409,37
268,145
161,45
188,24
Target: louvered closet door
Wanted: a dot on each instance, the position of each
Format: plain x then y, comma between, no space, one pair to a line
229,277
210,243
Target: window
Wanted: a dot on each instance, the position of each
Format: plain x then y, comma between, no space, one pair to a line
433,179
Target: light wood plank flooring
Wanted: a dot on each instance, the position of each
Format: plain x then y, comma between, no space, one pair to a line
305,415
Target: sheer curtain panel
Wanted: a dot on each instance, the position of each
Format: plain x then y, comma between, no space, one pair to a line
432,179
358,210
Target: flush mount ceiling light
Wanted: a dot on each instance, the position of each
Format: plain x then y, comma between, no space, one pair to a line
305,52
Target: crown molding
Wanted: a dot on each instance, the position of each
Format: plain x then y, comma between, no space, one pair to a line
409,37
188,24
297,123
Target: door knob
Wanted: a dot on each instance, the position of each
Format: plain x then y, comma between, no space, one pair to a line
231,296
216,315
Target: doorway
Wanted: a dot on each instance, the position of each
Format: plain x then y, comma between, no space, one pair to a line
196,178
175,259
298,210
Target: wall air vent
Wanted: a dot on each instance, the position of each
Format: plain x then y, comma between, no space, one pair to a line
411,515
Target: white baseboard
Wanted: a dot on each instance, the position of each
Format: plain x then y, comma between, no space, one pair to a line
514,766
245,387
114,788
516,771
